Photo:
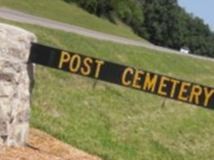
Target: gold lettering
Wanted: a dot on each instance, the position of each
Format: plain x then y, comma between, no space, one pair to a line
65,57
137,78
208,95
86,69
124,80
98,68
174,84
150,82
195,93
75,63
162,86
183,90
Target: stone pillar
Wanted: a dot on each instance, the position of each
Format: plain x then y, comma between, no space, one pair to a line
16,77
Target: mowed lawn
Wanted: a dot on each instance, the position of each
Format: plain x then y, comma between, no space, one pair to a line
69,13
118,123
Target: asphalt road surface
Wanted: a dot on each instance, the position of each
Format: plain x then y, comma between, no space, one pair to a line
18,16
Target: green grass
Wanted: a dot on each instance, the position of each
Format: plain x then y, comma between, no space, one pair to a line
117,123
69,13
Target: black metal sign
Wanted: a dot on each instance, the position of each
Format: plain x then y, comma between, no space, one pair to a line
157,84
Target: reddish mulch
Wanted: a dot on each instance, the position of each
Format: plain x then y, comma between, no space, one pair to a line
44,147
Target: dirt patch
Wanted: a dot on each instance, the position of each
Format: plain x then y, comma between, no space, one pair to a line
44,147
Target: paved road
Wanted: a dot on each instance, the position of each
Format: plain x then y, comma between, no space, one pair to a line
14,15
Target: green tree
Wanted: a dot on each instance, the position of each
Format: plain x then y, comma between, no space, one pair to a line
163,22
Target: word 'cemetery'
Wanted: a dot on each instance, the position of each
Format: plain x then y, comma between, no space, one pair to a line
122,75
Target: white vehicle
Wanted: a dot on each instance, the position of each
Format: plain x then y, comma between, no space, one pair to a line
184,50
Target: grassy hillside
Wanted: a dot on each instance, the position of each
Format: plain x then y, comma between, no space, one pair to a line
69,13
117,123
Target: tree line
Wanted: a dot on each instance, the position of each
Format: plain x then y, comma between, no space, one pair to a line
162,22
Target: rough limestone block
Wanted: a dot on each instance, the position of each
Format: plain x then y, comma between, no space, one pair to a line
16,77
